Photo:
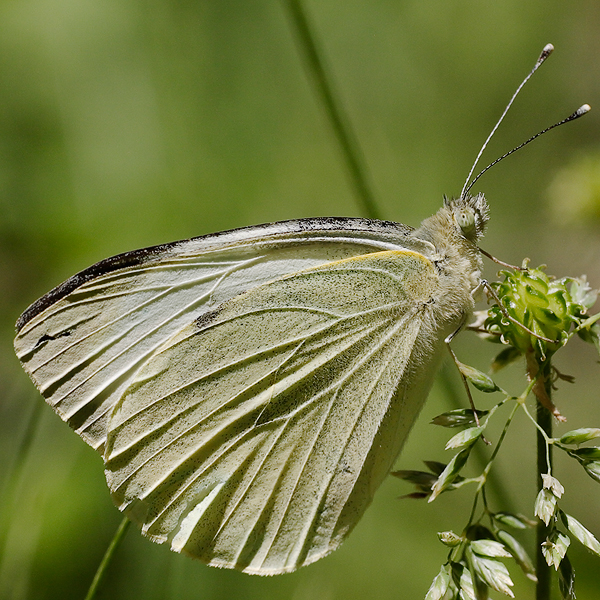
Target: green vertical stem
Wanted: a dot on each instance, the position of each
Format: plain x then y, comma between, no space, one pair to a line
16,473
315,64
107,558
544,420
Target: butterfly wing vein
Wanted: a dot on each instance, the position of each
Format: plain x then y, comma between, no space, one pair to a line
253,438
84,349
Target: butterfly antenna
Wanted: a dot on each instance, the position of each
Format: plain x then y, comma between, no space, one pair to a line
548,48
582,110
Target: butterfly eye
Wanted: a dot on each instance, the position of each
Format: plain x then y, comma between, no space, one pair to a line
466,221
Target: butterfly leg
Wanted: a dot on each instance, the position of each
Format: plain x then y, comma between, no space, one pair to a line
458,363
500,262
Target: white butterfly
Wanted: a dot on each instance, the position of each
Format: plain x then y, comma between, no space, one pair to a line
250,390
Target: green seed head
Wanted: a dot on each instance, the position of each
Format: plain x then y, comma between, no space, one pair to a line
547,307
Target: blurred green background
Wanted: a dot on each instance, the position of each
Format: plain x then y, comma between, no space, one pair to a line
129,123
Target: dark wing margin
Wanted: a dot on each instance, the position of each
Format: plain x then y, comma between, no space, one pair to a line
383,231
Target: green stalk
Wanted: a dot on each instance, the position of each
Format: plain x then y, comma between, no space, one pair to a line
12,483
544,462
106,559
315,64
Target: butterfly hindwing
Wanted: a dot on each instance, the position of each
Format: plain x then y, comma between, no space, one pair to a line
256,436
83,342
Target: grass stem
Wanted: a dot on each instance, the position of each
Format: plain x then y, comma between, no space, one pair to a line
323,82
106,559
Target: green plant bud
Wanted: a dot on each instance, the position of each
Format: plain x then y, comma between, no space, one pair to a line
439,585
586,454
449,538
545,504
480,380
552,484
519,553
435,467
514,521
467,589
593,470
585,536
465,438
420,478
490,548
555,548
458,417
543,305
450,473
579,436
582,293
591,335
492,573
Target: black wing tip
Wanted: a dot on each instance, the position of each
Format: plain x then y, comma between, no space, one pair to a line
126,259
138,257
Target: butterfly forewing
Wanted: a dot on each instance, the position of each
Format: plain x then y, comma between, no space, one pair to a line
253,438
83,342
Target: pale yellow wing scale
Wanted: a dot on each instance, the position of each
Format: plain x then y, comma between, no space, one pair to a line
257,435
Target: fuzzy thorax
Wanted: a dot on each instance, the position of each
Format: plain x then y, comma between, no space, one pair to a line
454,231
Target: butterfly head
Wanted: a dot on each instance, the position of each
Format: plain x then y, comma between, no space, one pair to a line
470,215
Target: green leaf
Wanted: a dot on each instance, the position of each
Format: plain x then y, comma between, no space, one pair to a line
586,537
566,579
439,585
493,573
489,548
579,436
480,380
465,438
545,504
449,474
458,417
519,553
513,520
555,548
